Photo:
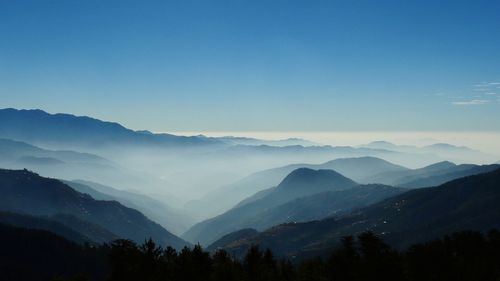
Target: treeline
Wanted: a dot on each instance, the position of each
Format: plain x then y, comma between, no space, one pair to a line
460,256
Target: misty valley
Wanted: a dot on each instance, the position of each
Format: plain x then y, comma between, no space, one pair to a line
85,199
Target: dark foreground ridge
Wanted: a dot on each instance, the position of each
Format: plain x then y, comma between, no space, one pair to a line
27,255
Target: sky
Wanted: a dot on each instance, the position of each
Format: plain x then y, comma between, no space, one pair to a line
235,65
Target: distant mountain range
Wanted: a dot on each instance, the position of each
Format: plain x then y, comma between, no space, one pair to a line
253,141
69,131
469,203
21,153
27,193
431,175
459,154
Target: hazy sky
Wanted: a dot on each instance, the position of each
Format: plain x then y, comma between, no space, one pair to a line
256,65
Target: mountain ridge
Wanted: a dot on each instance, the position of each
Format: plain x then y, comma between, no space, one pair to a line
469,203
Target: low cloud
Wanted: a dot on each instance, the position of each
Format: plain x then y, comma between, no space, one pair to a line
470,102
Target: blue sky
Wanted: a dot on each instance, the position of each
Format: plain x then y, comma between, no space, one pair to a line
256,65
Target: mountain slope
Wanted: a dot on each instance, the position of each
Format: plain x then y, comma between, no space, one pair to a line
322,205
470,203
299,183
17,152
39,255
26,192
314,207
431,175
228,196
459,154
39,127
32,222
153,209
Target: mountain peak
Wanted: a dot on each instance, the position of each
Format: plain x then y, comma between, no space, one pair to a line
304,177
440,165
446,146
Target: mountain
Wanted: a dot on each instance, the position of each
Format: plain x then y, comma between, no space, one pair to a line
21,153
32,222
233,236
388,145
66,130
40,255
228,196
459,154
322,205
26,192
253,141
153,209
314,207
299,183
469,203
67,226
431,175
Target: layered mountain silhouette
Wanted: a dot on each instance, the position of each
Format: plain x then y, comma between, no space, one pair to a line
460,154
66,130
51,224
16,153
28,193
37,254
431,175
303,195
469,203
157,211
357,169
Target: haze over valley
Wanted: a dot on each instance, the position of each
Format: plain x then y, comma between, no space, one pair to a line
249,140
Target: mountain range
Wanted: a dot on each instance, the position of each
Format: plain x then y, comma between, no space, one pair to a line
469,203
303,195
431,175
157,211
25,192
65,130
355,168
459,154
366,170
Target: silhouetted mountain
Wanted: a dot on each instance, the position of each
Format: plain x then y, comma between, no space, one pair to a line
253,141
431,175
459,154
448,147
322,205
66,130
21,153
39,255
43,223
453,173
153,209
68,226
233,236
228,196
94,232
470,203
26,192
299,183
314,207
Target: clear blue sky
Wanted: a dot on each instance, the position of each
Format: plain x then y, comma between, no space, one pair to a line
256,65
